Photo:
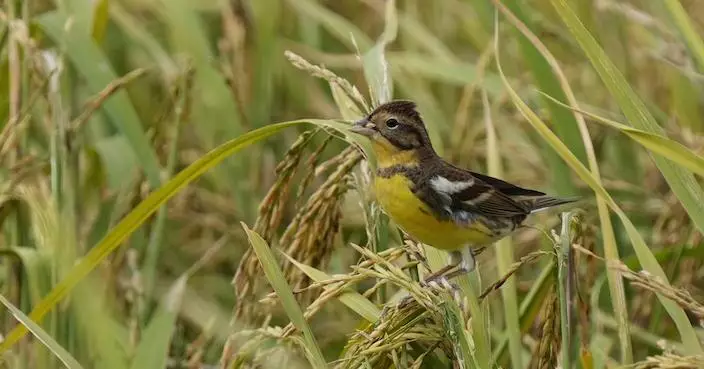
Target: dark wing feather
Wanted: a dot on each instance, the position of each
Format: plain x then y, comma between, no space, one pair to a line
505,187
479,199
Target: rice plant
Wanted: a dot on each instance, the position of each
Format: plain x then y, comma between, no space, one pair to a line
180,188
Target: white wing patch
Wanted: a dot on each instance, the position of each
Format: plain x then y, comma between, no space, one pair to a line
479,199
448,187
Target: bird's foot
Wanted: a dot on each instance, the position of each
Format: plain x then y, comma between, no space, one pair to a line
442,284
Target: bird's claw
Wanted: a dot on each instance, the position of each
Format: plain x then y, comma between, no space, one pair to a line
442,284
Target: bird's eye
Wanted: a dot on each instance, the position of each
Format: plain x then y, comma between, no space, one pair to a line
391,123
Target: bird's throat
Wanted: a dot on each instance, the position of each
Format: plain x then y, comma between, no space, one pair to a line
407,158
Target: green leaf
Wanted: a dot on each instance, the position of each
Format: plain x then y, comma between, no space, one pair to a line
661,145
504,248
153,348
353,300
451,72
118,161
530,307
101,15
456,333
35,268
687,30
339,27
277,280
481,353
618,296
645,256
681,181
42,335
143,211
95,69
564,123
376,68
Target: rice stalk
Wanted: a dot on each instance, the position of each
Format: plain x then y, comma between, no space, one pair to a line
309,238
417,319
512,269
247,280
97,101
671,361
326,74
652,283
546,354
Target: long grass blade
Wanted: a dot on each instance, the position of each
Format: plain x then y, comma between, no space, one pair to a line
664,146
608,235
42,335
681,181
684,24
564,123
353,300
153,349
277,280
376,68
143,211
95,69
645,256
504,249
530,307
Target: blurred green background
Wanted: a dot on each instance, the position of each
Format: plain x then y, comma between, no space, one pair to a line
104,101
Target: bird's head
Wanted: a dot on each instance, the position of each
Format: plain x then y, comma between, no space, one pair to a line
394,128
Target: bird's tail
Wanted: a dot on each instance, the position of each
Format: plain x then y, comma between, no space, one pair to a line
544,202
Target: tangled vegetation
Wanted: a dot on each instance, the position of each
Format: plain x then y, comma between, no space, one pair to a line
154,216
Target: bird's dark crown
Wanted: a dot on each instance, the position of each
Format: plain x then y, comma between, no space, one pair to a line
403,108
409,131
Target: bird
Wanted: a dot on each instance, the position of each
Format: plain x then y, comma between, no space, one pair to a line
436,203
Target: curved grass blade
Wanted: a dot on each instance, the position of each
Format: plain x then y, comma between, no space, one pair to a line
666,147
376,69
681,181
42,335
564,123
143,211
608,236
353,300
504,249
645,256
33,265
153,349
95,69
694,42
277,280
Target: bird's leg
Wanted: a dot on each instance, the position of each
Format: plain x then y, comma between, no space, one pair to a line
440,280
465,262
468,261
455,260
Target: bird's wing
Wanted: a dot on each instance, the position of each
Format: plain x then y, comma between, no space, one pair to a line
507,188
459,195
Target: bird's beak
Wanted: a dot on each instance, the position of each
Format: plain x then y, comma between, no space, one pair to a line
364,127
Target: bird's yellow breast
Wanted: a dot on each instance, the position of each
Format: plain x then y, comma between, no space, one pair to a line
416,218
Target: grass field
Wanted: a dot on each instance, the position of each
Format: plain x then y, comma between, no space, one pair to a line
179,188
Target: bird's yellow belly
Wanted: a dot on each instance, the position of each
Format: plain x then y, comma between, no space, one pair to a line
415,218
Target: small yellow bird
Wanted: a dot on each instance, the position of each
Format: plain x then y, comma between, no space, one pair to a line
438,204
